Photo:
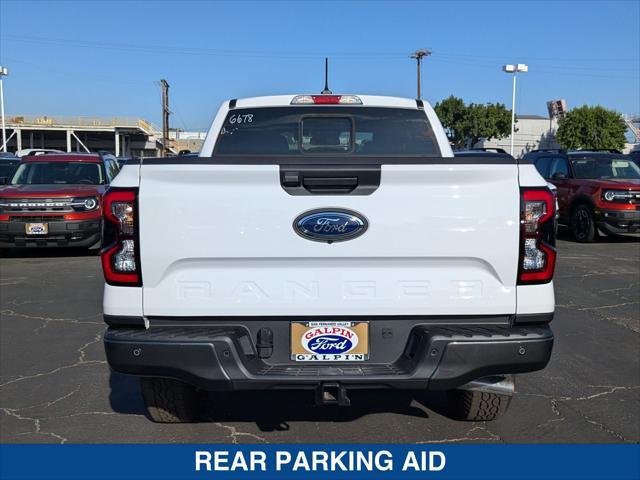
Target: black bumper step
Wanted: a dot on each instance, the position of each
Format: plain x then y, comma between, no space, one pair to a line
225,358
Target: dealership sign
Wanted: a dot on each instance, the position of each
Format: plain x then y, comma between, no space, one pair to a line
311,462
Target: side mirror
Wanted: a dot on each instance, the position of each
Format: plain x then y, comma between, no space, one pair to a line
558,176
4,180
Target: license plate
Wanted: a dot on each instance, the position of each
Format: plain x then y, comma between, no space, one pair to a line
36,228
329,341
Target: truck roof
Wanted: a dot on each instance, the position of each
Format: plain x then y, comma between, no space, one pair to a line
367,101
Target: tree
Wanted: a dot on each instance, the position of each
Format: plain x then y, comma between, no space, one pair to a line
487,121
591,128
466,124
452,113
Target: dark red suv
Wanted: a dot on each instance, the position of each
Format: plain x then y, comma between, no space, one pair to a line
55,200
597,191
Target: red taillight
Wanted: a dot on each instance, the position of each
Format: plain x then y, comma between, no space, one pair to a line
537,252
120,241
326,99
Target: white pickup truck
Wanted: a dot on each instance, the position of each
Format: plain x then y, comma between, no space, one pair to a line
328,242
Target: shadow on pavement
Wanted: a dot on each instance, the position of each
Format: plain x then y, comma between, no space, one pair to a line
125,396
273,410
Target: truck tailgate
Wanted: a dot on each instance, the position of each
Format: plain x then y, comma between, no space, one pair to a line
218,240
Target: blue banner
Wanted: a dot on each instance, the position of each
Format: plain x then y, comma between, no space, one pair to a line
309,462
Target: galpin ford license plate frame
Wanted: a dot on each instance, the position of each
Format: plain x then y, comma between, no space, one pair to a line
36,229
329,341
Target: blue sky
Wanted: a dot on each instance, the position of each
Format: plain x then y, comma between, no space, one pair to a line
105,58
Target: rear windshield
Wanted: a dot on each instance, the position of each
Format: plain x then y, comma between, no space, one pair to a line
604,168
55,173
324,130
6,168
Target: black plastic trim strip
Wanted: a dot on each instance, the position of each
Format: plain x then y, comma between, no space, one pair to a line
331,160
420,104
123,321
519,161
232,103
533,318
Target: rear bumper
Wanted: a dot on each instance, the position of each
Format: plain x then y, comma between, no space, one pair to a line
224,358
619,221
67,233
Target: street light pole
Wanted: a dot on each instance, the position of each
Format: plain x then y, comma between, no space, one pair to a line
3,72
513,112
518,67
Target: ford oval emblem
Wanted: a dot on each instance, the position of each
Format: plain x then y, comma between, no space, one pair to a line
330,340
330,225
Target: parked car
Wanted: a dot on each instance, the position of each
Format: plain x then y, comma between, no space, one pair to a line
597,191
55,201
36,151
328,242
488,149
635,157
8,162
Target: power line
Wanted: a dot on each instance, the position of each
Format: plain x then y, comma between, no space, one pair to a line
192,50
296,54
86,74
450,57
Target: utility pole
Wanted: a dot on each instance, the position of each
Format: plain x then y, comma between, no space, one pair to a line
418,55
165,117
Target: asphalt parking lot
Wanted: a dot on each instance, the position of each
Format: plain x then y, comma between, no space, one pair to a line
55,385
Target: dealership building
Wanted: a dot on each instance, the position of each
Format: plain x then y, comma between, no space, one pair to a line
121,135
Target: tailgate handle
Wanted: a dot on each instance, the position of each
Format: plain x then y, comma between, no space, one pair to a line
330,179
330,184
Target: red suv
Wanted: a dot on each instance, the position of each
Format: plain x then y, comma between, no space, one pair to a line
597,191
55,200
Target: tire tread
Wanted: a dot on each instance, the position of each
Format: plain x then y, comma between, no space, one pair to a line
168,400
477,406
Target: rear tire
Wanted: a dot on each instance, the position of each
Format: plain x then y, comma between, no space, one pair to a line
169,401
476,406
583,224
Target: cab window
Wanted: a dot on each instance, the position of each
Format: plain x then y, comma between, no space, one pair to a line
327,130
559,165
112,168
542,165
